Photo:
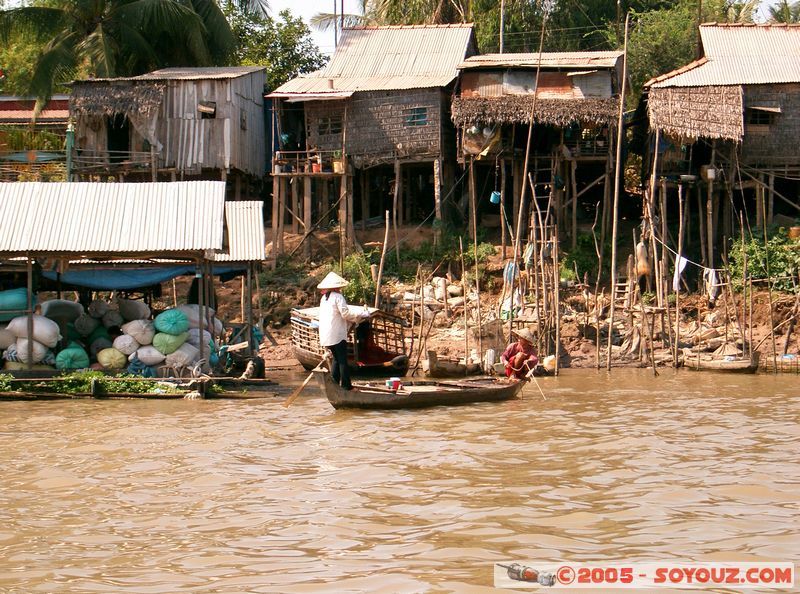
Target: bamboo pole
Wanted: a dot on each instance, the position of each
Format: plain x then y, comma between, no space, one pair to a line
395,199
466,321
474,210
557,298
518,234
678,290
380,267
503,217
597,319
617,169
769,296
747,293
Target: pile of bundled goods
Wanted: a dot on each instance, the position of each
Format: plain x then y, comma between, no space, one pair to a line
117,336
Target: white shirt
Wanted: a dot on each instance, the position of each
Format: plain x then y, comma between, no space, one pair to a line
334,315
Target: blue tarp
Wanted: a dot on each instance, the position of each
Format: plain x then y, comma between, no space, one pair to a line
103,278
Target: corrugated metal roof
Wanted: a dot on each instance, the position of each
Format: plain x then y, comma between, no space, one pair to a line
740,55
111,218
548,59
246,241
390,58
47,115
216,72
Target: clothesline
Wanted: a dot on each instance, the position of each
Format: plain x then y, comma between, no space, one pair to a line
688,261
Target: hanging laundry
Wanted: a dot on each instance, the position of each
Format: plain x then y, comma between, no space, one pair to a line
680,264
642,260
711,284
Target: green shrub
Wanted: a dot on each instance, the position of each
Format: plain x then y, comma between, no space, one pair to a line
784,260
356,269
584,257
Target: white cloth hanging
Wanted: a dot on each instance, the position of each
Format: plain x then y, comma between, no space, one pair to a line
711,283
680,264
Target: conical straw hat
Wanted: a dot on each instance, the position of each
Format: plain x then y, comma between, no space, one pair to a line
525,334
332,281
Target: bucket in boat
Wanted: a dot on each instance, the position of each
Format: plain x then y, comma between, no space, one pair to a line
393,383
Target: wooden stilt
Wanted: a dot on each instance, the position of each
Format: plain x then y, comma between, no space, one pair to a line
342,219
503,218
307,222
295,203
701,227
395,207
678,289
282,198
437,198
574,178
276,212
364,200
771,201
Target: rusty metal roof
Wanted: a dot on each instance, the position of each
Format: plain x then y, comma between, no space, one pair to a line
389,58
245,223
111,218
548,60
737,54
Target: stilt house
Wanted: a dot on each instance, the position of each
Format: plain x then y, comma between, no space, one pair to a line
173,124
726,128
571,100
371,129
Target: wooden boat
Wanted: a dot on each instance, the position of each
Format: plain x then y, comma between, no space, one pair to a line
374,347
418,394
727,363
442,368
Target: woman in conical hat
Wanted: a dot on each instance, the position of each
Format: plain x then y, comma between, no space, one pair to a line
335,317
520,356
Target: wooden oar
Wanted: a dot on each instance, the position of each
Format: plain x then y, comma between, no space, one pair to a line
533,377
296,393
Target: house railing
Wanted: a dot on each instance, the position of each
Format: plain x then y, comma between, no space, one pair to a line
33,165
307,162
110,162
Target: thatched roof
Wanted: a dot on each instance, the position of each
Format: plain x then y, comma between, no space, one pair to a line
112,97
698,112
516,109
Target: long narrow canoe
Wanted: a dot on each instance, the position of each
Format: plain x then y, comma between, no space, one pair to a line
728,364
418,394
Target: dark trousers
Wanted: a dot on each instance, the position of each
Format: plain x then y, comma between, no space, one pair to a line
340,372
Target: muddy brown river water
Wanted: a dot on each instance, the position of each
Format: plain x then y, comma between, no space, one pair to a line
249,496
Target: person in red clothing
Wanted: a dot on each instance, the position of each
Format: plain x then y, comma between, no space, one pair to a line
520,357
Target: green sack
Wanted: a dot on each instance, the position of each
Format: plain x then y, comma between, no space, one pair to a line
169,343
172,321
72,357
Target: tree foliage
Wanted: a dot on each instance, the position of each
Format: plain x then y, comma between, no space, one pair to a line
658,42
110,38
284,45
784,12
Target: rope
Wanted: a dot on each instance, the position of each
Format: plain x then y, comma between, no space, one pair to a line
688,261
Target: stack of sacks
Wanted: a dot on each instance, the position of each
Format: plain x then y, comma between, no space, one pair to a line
94,327
142,332
170,340
45,336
